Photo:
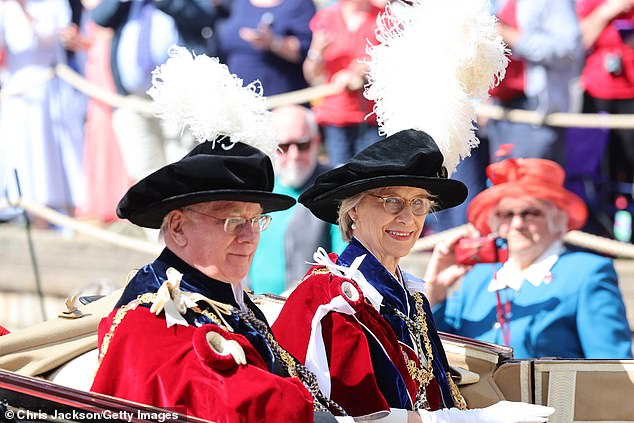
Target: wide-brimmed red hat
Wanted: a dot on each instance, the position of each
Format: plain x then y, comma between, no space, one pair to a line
539,178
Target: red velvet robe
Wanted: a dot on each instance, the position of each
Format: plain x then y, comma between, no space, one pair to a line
353,378
175,367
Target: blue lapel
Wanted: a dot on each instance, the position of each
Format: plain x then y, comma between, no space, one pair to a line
150,277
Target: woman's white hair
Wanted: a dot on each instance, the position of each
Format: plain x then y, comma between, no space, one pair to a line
345,221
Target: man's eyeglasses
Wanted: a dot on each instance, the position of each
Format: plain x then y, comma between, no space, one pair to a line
527,214
302,146
234,224
394,205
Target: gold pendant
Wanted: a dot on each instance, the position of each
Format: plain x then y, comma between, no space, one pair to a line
419,308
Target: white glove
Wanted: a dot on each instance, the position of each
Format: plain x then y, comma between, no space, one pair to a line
223,346
344,419
501,412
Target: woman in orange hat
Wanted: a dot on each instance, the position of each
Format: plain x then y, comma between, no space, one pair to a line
545,300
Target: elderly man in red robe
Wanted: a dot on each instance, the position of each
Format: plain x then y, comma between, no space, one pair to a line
184,335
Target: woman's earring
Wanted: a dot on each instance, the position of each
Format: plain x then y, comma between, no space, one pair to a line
353,226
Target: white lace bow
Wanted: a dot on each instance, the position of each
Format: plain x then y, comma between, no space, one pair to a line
172,300
321,257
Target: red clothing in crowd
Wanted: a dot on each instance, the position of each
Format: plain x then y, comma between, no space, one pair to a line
347,107
512,86
595,78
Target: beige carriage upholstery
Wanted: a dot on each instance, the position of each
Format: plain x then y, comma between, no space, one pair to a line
485,360
41,348
586,390
581,391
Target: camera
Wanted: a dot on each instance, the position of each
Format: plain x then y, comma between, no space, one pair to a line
481,250
613,63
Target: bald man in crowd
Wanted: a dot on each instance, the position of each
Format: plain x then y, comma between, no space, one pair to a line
294,234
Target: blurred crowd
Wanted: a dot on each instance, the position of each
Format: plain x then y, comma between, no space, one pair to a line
78,155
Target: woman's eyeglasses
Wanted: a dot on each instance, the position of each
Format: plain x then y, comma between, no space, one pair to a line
394,205
234,224
526,214
302,146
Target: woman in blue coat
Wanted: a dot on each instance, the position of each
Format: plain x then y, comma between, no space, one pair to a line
545,300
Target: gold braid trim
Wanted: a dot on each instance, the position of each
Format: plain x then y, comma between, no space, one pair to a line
293,367
106,339
457,397
118,318
147,298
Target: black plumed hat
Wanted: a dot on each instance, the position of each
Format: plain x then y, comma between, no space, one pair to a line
408,158
210,172
410,97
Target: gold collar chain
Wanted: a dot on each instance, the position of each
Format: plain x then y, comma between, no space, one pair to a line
293,367
419,372
424,374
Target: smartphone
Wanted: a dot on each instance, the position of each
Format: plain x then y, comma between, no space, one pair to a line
266,20
471,251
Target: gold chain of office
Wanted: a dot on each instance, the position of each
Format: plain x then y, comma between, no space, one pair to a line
424,374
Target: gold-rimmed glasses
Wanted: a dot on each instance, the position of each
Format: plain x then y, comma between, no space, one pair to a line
394,204
234,224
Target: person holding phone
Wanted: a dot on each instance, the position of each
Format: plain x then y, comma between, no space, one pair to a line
545,300
357,320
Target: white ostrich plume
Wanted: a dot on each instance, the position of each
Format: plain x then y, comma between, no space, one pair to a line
433,61
199,93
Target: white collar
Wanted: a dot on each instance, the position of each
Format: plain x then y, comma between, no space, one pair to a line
412,282
238,295
537,273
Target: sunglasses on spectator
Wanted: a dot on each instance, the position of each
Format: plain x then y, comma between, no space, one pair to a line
526,214
301,145
235,224
394,205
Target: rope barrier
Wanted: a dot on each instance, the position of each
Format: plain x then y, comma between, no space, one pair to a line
302,96
14,91
428,242
57,218
566,120
602,245
579,120
577,238
589,241
105,96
